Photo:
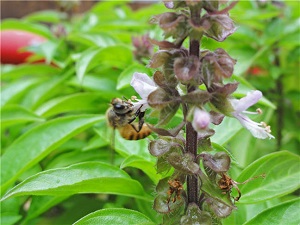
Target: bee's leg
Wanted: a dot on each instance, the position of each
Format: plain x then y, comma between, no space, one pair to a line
139,114
136,129
141,120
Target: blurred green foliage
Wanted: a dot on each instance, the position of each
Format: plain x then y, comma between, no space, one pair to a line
56,142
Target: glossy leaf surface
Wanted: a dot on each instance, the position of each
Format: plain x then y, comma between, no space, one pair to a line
285,213
282,174
34,145
89,177
115,216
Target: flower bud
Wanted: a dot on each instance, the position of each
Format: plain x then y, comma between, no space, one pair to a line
187,70
173,24
217,26
160,205
167,200
195,216
216,66
143,47
220,209
221,97
159,59
211,6
220,162
174,4
201,120
162,165
183,163
169,4
163,145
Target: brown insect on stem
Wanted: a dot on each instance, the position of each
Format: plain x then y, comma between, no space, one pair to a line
226,184
175,189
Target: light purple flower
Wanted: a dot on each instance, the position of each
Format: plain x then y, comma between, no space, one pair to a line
258,130
143,85
201,120
169,4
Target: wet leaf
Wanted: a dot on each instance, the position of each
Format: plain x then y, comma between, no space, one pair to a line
115,216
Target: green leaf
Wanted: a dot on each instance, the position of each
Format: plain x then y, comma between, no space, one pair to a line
40,204
75,102
38,142
148,167
232,127
216,193
29,69
16,89
15,114
102,7
115,216
282,177
101,39
87,177
124,147
282,214
9,218
219,148
126,75
106,87
86,62
73,157
47,16
95,142
247,56
117,56
48,49
46,89
26,26
244,87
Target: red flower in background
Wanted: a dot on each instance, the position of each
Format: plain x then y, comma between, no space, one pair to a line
13,45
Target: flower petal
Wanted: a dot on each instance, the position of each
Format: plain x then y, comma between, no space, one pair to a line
201,119
244,103
142,105
143,84
256,129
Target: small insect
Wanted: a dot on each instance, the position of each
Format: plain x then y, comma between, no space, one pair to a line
226,184
175,189
121,116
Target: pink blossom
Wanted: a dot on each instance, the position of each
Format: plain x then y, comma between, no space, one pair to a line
201,120
258,130
143,85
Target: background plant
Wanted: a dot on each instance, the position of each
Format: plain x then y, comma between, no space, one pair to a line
53,120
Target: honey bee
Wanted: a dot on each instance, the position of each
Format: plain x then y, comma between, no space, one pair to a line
121,116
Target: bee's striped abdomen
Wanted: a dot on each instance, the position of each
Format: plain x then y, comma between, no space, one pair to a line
129,133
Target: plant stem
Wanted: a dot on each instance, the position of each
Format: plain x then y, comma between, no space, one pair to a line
191,147
280,100
191,134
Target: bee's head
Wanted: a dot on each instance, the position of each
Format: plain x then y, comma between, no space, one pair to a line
120,106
